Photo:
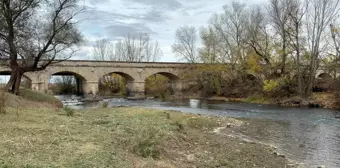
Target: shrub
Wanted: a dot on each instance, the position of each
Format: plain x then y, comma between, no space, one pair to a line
105,104
147,148
270,85
69,111
149,145
281,87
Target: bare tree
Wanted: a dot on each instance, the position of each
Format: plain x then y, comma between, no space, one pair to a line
319,15
296,14
137,48
34,33
210,52
279,12
336,39
185,45
231,26
258,34
103,50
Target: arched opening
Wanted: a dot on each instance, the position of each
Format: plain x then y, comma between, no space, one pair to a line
26,82
161,84
323,82
67,83
325,76
252,79
115,84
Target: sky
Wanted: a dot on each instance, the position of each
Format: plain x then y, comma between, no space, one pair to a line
113,19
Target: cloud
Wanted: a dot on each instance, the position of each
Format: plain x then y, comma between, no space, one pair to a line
160,4
95,2
117,31
103,17
114,19
154,15
97,23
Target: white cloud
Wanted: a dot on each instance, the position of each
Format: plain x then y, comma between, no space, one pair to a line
112,19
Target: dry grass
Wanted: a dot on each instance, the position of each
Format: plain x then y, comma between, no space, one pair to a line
327,100
123,138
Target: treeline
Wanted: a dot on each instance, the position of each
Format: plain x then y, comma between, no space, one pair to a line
273,49
134,47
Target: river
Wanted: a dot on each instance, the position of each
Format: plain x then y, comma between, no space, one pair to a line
308,136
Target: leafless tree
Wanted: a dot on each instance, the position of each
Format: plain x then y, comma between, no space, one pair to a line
211,51
279,12
319,15
294,31
259,38
103,50
336,39
34,33
137,47
231,26
185,45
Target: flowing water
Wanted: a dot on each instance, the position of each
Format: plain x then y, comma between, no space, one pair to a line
308,136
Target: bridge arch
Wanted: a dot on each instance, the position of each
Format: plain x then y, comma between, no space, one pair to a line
324,76
169,75
161,83
115,82
126,76
77,79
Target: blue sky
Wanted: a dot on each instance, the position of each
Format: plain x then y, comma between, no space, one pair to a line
113,19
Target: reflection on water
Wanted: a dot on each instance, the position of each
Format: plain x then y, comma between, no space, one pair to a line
309,136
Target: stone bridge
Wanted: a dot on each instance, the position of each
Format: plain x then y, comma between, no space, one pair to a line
88,74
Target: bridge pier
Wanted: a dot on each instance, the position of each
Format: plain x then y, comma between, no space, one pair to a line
91,87
177,86
35,86
39,86
136,89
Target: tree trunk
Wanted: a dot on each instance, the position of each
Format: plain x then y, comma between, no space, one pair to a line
298,61
13,85
311,77
299,75
284,54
